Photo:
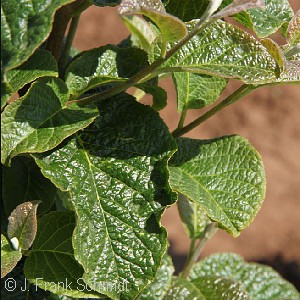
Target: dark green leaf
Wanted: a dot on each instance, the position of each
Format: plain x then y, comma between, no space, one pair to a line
187,10
172,29
213,287
193,217
181,289
222,50
225,176
261,282
41,120
159,287
116,171
22,224
9,256
53,251
103,65
196,90
40,64
22,182
25,25
106,2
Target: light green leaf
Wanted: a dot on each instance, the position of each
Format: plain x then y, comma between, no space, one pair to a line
53,251
41,120
141,33
193,217
222,50
172,29
263,22
159,287
22,224
186,10
225,176
196,90
103,65
9,256
213,287
183,289
25,25
119,190
23,181
261,282
40,64
293,31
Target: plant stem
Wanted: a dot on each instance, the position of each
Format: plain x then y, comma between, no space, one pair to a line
63,61
235,96
195,251
143,73
182,119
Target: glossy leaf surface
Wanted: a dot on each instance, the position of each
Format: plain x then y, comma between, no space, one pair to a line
116,171
41,120
225,176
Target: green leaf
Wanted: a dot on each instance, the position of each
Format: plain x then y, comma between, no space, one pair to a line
41,120
183,289
25,25
120,188
141,33
293,31
40,64
225,176
187,10
106,2
172,29
213,287
196,90
222,50
9,256
159,287
22,224
193,217
263,22
261,282
159,95
22,182
53,251
103,65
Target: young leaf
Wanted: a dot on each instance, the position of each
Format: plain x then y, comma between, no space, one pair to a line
293,32
22,224
182,289
213,287
222,50
263,22
25,25
193,217
261,282
196,90
119,189
237,6
172,29
9,256
103,65
225,176
187,10
40,120
53,251
22,182
40,64
159,287
141,33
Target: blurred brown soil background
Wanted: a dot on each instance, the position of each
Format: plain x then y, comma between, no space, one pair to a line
269,119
